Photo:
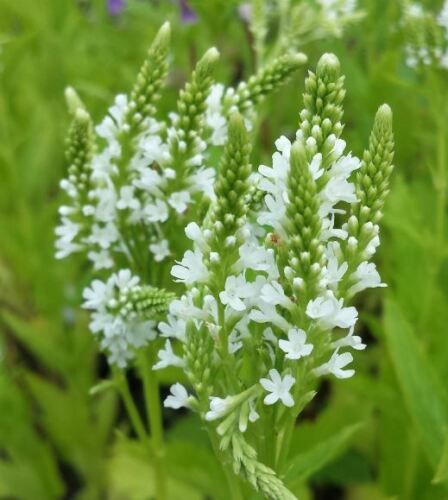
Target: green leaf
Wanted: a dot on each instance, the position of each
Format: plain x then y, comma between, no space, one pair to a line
131,475
423,392
307,463
441,475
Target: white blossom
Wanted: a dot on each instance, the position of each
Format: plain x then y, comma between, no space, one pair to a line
330,312
350,340
278,388
218,407
178,397
336,366
236,289
174,328
179,201
160,249
295,347
168,358
156,212
191,269
272,293
366,276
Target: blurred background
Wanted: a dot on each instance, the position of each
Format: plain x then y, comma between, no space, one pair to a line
382,434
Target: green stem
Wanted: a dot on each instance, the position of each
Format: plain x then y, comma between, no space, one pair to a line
440,186
154,415
131,409
232,480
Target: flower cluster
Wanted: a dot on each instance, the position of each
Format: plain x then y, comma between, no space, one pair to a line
128,197
124,314
148,171
427,36
267,308
296,23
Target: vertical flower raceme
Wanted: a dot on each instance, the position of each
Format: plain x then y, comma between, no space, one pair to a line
80,149
221,102
295,23
267,310
134,179
426,35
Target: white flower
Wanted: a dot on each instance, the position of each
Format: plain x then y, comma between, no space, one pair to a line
335,366
160,249
168,358
278,388
275,213
442,18
268,314
191,269
235,290
214,117
179,201
295,347
315,166
101,260
274,179
105,210
139,333
330,312
185,309
366,276
333,272
234,341
272,293
124,280
110,127
195,233
127,199
350,340
104,236
203,180
156,212
178,397
97,296
149,180
218,407
268,336
175,328
254,256
67,230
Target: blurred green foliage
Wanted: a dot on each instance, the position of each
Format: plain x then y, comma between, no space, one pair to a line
383,434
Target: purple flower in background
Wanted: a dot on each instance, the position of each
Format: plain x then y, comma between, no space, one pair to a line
187,14
115,7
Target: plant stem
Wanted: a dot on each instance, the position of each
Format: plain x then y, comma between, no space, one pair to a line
154,415
232,479
131,409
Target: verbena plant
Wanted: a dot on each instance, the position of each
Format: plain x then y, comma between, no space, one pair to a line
276,255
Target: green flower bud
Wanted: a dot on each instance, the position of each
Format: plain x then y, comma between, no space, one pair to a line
232,185
304,221
323,97
372,179
268,79
80,149
145,302
150,78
